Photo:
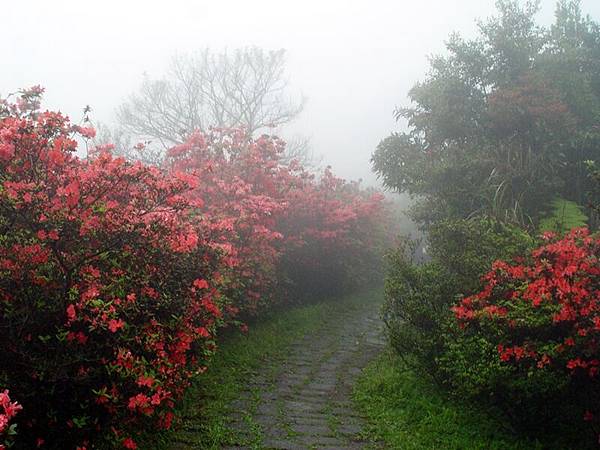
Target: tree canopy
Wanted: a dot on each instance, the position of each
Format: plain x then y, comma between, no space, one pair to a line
503,123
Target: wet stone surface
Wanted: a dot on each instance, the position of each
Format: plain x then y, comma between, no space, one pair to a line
303,401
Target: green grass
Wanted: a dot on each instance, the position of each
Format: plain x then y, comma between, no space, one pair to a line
407,411
563,216
208,404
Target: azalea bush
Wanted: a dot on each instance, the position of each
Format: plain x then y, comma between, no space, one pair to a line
537,322
116,276
282,228
241,189
106,310
336,235
418,297
8,410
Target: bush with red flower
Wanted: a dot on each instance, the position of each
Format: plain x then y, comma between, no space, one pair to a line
241,187
540,320
107,301
335,234
115,276
282,227
8,410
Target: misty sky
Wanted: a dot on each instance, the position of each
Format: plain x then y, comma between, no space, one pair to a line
353,60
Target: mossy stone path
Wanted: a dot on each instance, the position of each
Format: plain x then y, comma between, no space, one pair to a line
303,400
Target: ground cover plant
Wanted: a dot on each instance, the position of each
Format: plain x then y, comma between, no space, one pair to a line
116,276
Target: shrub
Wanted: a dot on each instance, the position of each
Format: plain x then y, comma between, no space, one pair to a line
466,248
539,321
282,227
241,187
106,305
8,410
115,277
418,297
336,236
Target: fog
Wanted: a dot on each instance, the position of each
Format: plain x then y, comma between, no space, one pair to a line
353,60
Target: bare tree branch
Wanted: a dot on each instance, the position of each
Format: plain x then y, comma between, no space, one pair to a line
244,88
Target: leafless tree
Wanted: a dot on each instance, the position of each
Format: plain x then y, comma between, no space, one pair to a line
244,88
298,148
124,144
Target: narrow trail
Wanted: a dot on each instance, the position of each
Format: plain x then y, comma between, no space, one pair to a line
303,400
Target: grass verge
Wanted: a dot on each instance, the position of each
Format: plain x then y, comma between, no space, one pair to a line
407,411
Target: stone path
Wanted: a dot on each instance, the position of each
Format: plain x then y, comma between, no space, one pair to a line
306,402
303,401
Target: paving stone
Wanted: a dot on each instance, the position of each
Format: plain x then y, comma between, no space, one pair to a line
270,444
324,440
321,429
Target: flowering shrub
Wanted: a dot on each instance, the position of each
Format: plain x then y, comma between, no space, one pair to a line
277,221
115,276
542,316
8,410
418,298
107,306
336,234
241,187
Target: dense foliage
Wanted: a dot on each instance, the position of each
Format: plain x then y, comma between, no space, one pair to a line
106,311
115,276
500,162
542,317
280,223
504,123
419,297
